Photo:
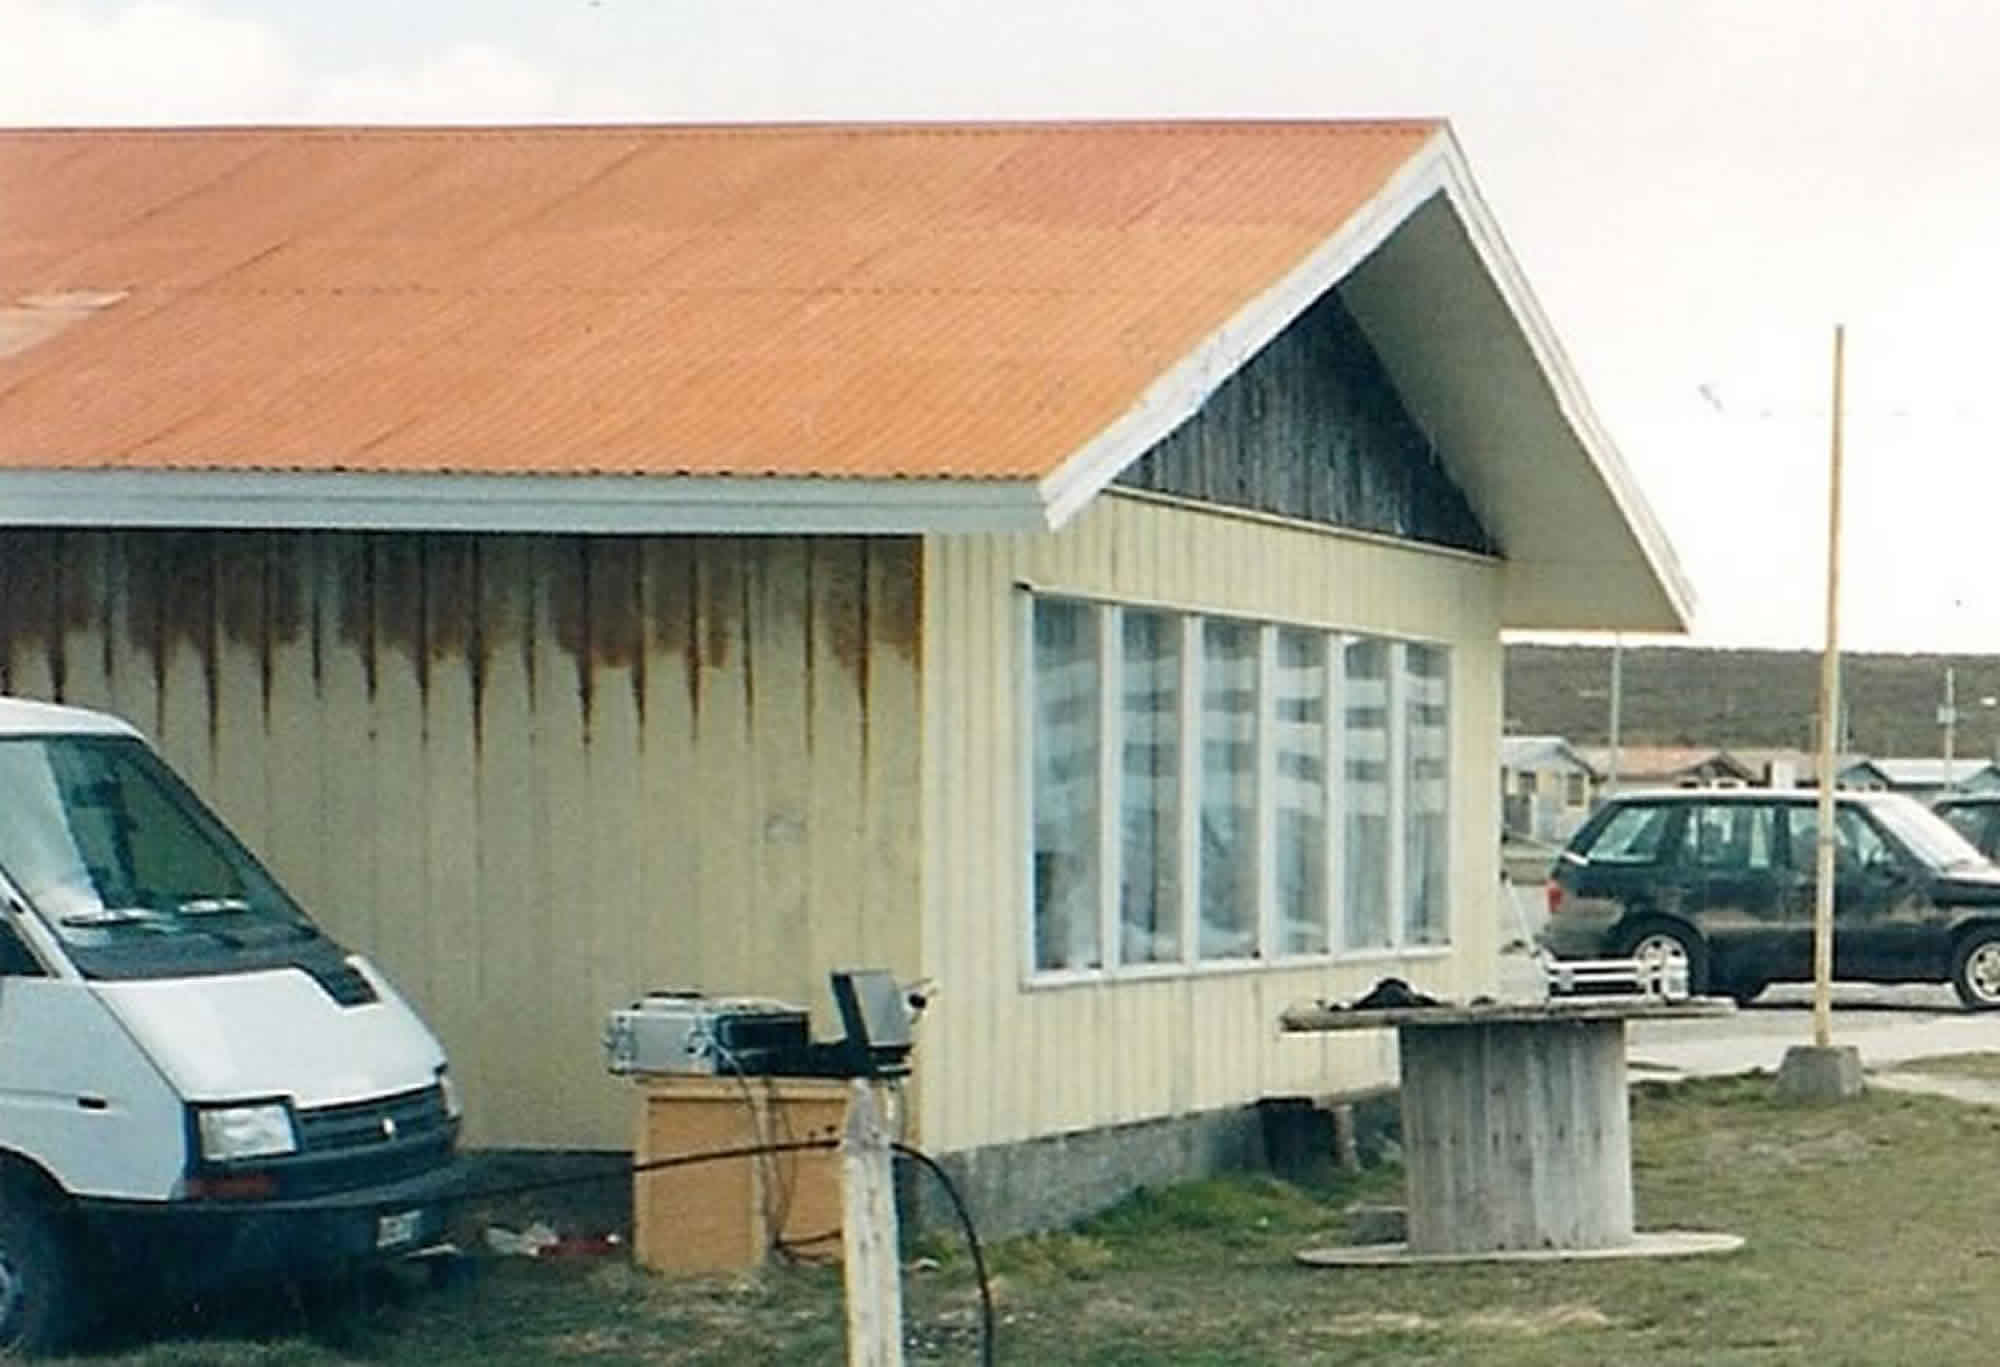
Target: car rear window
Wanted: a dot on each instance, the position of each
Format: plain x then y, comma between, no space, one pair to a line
1631,835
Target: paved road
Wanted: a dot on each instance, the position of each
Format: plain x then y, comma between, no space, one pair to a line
1888,1025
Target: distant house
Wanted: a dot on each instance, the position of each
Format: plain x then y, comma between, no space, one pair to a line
1852,771
1667,766
1925,778
1547,787
1787,768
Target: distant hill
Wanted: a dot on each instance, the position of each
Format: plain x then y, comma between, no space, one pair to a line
1681,696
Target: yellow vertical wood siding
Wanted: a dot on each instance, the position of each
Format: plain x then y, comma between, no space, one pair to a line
532,777
1002,1061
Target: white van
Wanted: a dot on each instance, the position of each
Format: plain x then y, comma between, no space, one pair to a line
196,1084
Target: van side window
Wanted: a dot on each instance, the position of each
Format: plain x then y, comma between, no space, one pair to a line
1633,835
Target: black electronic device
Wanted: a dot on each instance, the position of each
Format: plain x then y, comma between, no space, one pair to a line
875,1012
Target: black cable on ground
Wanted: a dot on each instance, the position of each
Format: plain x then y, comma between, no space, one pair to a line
971,1239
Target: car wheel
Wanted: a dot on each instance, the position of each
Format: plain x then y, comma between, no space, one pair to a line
1975,969
1674,943
1745,993
40,1296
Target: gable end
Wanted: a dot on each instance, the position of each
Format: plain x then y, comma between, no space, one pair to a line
1313,428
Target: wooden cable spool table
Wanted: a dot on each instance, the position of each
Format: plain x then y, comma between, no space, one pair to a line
1517,1137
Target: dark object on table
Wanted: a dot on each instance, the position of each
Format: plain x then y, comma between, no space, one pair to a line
1392,992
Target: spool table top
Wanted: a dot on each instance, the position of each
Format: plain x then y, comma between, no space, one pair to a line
1315,1017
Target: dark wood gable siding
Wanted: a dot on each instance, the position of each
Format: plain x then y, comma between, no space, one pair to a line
1313,428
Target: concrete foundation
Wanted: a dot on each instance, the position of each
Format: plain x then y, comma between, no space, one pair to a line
1816,1073
1045,1184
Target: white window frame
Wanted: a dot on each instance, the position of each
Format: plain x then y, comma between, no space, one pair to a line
1110,695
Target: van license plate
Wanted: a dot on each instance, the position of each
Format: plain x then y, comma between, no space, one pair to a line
392,1231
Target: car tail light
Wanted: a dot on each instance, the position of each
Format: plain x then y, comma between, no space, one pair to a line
1554,892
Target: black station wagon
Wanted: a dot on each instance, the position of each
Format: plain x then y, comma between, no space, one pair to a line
1725,879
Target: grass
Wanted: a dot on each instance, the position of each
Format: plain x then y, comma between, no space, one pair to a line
1873,1228
1979,1067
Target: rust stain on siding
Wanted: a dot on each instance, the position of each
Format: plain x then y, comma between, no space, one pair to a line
187,569
30,589
454,607
400,607
569,607
720,574
451,597
672,609
239,559
618,612
897,591
841,566
284,603
355,575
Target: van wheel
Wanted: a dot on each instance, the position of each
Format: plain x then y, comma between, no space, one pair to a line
1975,969
40,1298
1673,942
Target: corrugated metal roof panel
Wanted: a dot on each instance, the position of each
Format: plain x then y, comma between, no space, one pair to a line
869,301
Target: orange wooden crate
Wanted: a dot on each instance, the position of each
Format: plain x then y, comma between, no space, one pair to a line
728,1215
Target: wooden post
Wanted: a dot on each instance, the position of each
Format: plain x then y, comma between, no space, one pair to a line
868,1236
1829,724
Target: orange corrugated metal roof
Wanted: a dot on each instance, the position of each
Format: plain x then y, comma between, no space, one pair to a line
915,301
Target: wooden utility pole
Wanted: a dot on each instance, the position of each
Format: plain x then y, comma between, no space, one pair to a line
1829,711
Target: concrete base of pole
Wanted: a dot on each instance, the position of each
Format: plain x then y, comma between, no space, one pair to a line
1816,1072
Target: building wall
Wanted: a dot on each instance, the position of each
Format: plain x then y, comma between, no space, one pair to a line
1001,1062
532,777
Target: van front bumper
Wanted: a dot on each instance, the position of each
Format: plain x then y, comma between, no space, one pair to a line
204,1245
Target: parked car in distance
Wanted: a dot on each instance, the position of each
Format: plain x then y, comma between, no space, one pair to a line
1725,879
1976,816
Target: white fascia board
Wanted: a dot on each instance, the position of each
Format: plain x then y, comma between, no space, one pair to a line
1483,230
1177,395
580,504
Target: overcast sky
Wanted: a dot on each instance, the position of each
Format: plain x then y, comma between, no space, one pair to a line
1698,191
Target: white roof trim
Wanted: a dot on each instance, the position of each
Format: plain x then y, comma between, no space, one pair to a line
603,504
1487,239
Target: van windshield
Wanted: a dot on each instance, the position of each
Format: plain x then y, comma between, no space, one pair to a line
115,852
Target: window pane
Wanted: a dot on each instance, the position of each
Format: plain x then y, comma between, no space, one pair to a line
1633,834
1065,786
1299,702
1228,790
1365,794
1426,847
1149,896
1731,837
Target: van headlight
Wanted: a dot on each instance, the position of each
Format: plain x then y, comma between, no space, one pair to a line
255,1131
454,1107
